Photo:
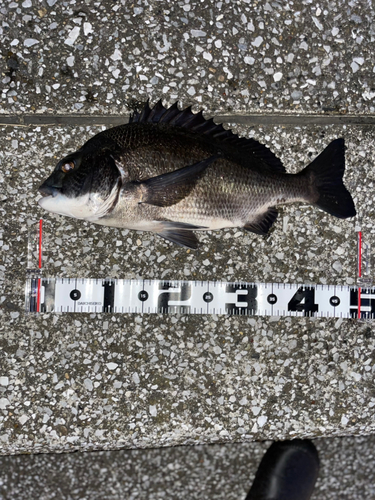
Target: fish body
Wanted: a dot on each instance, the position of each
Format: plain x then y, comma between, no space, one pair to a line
173,172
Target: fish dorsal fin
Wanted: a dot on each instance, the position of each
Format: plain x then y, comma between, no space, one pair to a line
196,122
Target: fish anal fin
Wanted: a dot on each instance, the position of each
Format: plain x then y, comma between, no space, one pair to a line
263,223
167,189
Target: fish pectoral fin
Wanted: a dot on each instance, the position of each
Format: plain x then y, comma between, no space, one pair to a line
167,189
179,233
263,223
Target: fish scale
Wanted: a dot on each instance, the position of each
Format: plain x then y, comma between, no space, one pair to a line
230,201
172,172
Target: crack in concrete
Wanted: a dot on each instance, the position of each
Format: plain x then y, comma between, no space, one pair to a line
251,119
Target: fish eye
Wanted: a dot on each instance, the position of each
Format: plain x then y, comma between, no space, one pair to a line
67,166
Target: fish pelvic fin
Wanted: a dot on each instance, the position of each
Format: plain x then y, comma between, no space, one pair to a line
263,223
325,176
167,189
179,233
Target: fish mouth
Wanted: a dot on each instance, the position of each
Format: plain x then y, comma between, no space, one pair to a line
48,191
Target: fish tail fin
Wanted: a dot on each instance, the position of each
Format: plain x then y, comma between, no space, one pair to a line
325,175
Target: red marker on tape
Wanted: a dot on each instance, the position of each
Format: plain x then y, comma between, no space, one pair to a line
39,262
359,270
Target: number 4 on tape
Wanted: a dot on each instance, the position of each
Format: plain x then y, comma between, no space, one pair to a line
196,297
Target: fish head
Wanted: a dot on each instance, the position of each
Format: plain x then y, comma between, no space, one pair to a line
83,185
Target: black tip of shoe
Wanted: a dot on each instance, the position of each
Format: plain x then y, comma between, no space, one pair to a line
288,471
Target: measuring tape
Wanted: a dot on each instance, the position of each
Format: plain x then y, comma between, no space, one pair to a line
85,295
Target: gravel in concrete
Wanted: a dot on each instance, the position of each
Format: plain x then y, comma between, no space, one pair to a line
106,381
217,472
267,57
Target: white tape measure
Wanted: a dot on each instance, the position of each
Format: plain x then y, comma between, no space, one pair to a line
81,295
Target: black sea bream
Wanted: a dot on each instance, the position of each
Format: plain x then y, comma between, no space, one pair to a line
172,172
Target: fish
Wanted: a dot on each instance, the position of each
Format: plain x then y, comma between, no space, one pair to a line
174,173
